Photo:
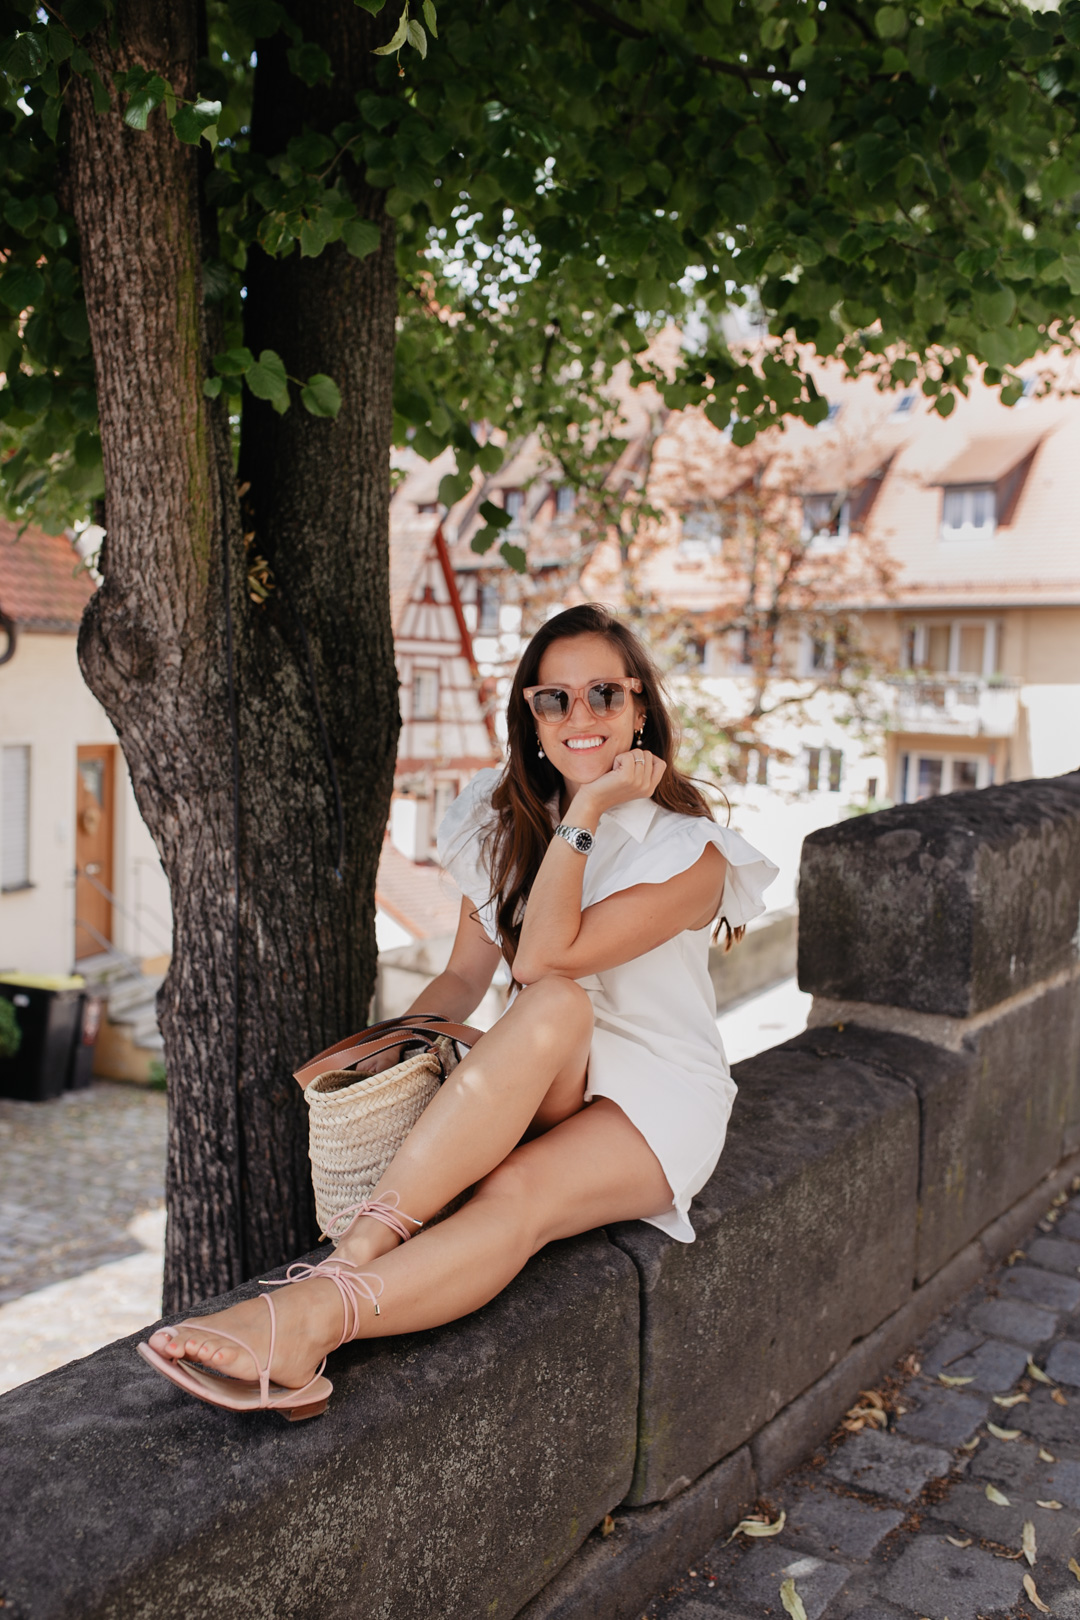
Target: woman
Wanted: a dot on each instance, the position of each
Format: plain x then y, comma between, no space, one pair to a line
602,1093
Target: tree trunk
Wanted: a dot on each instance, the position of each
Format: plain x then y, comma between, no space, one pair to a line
274,947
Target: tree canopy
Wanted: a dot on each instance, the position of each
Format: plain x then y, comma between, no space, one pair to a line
894,185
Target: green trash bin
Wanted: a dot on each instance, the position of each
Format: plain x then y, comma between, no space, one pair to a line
48,1011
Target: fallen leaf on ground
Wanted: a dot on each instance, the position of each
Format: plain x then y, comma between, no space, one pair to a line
1056,1395
1017,1254
1074,1568
1010,1400
607,1525
1061,1198
1003,1434
758,1525
1046,1456
1037,1373
861,1415
994,1495
953,1542
1028,1542
1029,1588
1054,1505
969,1445
793,1603
953,1383
873,1397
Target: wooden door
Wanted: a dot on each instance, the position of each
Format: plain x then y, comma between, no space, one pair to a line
94,826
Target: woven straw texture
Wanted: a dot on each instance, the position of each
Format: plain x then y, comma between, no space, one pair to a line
356,1125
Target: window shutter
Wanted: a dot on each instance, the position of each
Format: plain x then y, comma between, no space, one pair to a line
14,817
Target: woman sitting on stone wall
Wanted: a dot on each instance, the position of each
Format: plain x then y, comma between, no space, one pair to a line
601,1094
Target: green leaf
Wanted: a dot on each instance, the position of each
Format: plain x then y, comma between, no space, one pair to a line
310,63
268,379
82,16
20,286
102,98
399,37
234,362
483,540
428,8
497,516
453,487
212,387
416,36
142,102
21,212
191,123
259,18
74,323
372,6
490,458
890,21
321,396
513,557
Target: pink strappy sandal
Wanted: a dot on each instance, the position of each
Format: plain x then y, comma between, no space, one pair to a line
355,1288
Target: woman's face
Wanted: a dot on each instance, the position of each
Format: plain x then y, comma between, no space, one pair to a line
583,746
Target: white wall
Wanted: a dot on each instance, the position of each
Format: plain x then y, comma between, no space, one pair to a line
1053,728
44,703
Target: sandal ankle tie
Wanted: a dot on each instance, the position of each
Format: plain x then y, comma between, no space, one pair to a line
353,1286
380,1209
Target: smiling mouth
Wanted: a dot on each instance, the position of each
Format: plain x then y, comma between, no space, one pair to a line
582,745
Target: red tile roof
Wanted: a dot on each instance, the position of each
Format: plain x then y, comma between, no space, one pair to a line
42,583
420,897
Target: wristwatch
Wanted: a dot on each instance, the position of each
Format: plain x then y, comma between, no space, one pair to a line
579,838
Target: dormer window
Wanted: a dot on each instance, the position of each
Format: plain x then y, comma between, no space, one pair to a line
903,408
514,503
564,500
969,513
826,520
701,537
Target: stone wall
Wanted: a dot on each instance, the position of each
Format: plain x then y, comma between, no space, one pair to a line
875,1165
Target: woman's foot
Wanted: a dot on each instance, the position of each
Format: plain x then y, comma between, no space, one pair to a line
309,1323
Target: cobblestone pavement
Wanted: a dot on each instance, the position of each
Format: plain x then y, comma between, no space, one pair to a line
73,1174
930,1516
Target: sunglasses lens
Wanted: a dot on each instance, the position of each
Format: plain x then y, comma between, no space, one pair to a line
552,703
605,698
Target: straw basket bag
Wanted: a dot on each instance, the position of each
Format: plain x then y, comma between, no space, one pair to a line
357,1123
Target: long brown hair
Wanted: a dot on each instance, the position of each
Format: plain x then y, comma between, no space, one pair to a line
521,831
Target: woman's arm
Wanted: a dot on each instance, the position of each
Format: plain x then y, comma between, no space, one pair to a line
558,937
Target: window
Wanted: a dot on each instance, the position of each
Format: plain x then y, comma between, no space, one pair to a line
924,776
822,654
425,694
701,535
826,519
443,797
903,407
565,500
427,508
757,766
824,767
514,503
969,513
969,647
14,817
487,609
834,411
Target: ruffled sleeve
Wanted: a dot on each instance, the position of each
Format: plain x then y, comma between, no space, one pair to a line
672,844
459,845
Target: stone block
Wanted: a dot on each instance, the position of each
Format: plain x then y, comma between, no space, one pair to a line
968,1508
1016,1466
947,906
965,1583
886,1465
988,1134
611,1577
822,1521
992,1365
1063,1363
454,1472
1014,1319
1068,1223
755,1581
805,1240
1048,1289
944,1417
1059,1254
1051,1424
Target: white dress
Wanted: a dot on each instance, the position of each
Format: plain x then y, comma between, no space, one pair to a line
656,1050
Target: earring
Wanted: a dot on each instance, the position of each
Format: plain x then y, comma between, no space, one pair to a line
539,748
641,733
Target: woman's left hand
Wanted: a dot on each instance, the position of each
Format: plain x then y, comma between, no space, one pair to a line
634,775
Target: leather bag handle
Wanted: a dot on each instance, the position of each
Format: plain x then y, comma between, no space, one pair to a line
380,1037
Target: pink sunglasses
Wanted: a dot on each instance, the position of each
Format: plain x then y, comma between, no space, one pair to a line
604,697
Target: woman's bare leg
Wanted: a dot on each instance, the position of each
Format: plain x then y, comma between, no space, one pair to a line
533,1060
594,1168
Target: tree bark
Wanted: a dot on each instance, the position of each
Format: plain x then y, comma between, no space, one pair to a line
274,947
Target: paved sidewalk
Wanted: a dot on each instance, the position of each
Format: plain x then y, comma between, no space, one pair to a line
82,1185
935,1515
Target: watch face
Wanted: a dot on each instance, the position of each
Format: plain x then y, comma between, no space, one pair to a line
583,841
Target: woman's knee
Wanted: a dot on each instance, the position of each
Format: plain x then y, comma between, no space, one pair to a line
511,1187
563,1001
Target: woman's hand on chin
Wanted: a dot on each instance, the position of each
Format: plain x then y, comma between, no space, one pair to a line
634,775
